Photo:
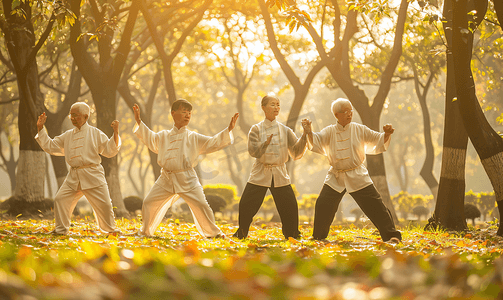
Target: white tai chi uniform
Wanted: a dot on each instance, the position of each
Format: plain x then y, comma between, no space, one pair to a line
177,151
82,148
346,147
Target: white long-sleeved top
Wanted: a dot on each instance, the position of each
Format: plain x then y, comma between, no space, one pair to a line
346,147
81,148
270,160
177,151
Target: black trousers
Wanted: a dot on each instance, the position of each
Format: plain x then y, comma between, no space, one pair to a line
284,198
368,199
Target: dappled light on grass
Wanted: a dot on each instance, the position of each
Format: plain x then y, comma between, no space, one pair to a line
354,263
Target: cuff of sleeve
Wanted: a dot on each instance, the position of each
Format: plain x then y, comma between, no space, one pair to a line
386,145
41,132
136,127
231,136
119,144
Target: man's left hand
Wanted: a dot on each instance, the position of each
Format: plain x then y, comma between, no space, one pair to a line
115,126
388,128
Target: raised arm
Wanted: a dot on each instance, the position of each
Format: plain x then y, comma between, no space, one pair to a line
376,142
109,147
147,136
54,146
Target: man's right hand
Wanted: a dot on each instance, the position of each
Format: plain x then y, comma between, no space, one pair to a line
136,110
41,121
269,139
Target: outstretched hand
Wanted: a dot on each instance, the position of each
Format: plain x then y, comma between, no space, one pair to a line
41,121
136,110
232,124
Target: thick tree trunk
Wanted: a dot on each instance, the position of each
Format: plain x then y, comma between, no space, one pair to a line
31,164
30,175
449,209
487,142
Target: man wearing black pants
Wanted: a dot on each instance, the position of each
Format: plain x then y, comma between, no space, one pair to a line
284,198
368,199
271,143
345,144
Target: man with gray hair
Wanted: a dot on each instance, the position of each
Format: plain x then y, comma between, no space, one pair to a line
345,144
82,147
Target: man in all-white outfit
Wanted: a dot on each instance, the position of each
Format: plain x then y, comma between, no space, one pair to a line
82,147
178,149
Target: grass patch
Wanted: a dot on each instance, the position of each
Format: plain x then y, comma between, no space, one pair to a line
180,264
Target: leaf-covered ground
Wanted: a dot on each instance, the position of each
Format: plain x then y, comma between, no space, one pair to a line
179,264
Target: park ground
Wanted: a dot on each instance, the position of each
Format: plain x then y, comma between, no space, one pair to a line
180,264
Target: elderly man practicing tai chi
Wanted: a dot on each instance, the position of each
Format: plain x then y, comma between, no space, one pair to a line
345,145
178,149
82,147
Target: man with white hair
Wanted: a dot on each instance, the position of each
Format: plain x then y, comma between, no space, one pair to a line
345,144
82,147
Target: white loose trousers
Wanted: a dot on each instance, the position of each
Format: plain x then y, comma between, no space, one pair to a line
98,197
159,200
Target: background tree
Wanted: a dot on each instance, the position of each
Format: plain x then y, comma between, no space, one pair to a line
449,208
103,76
425,59
20,33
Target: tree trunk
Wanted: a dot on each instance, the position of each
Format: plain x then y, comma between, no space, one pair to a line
60,169
20,40
377,172
10,166
106,114
235,174
146,113
449,209
487,142
427,169
30,175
